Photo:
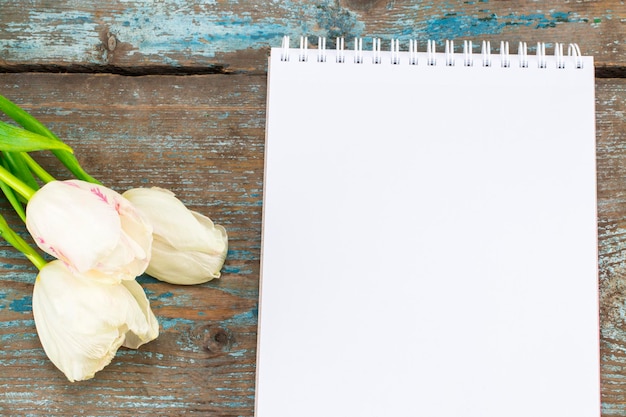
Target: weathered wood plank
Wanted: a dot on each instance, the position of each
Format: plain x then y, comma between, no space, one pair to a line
231,36
202,136
611,167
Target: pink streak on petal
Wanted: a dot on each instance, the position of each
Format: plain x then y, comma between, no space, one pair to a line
99,194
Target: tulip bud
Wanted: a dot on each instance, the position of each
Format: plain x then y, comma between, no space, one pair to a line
83,321
187,247
90,227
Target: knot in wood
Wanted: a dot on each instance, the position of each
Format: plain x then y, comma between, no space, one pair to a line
217,339
111,42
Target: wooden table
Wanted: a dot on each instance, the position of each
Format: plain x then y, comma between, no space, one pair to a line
172,94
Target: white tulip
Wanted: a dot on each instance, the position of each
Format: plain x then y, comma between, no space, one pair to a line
187,247
90,228
82,322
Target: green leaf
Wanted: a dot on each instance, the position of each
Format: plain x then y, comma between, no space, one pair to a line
15,139
15,162
23,118
28,122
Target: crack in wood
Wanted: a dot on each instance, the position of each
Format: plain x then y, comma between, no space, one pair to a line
120,70
604,71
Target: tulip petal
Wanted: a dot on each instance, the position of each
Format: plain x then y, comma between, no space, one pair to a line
216,239
131,256
146,327
184,267
90,228
72,225
82,322
188,248
168,216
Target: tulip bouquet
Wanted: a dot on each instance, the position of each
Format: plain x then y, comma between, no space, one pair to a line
86,301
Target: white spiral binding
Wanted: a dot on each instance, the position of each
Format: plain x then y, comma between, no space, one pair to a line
412,52
486,53
449,51
358,50
558,54
430,50
522,52
505,58
341,55
284,53
468,60
574,50
395,54
321,49
541,54
376,56
303,56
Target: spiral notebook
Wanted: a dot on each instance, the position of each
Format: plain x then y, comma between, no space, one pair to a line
429,232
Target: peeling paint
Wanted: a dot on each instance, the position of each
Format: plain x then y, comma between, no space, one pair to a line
454,25
249,317
17,323
49,34
24,304
169,322
176,33
154,29
244,255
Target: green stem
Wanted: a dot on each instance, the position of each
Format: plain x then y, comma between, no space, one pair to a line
14,162
37,169
15,183
20,244
15,203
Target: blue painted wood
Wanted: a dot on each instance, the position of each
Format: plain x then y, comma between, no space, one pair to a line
610,105
202,137
234,36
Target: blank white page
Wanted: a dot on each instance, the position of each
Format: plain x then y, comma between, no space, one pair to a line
429,239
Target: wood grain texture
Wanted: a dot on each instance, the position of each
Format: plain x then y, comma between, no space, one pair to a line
202,136
611,173
231,36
